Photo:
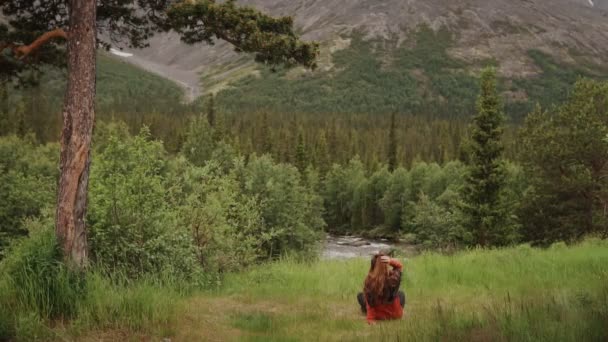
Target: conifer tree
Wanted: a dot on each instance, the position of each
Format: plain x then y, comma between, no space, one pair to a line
4,110
323,161
392,145
219,129
20,125
199,144
332,142
292,140
211,111
301,155
565,155
266,135
481,212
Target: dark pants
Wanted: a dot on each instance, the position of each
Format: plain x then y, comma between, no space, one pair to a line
361,300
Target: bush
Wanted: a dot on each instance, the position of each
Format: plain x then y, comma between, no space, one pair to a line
132,228
290,212
344,194
224,222
436,226
28,174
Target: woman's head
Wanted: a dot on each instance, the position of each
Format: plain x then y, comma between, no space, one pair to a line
377,276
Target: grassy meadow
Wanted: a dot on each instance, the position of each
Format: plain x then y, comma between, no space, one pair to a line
513,294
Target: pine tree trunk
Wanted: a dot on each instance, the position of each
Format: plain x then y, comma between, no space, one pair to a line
78,118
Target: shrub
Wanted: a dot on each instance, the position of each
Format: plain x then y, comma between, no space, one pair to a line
132,228
27,183
290,212
436,226
224,223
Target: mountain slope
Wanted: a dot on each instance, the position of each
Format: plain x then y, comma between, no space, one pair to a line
510,33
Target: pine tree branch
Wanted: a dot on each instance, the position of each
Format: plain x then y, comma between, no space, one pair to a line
273,40
23,51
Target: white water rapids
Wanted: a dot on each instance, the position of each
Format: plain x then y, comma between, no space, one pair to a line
346,247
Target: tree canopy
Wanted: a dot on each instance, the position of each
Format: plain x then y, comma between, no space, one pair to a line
35,31
32,32
565,153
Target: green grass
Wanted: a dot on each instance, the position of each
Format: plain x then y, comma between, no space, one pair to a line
512,294
40,299
519,294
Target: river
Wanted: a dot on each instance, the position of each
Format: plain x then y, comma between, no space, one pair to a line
347,247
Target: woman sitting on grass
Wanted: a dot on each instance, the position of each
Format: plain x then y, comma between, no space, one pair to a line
381,298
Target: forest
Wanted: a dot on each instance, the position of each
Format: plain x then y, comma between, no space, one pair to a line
194,211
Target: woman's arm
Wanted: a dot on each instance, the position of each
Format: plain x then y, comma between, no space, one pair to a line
394,280
396,265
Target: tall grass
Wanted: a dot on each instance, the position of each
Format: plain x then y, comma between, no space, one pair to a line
515,294
38,292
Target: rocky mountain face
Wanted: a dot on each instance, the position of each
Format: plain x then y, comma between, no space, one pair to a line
502,30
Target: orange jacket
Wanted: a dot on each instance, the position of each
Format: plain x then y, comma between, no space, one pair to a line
387,309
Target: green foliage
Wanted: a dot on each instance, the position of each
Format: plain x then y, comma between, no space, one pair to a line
210,110
226,224
397,196
153,214
321,156
199,143
554,84
290,211
224,155
565,152
481,210
417,76
5,121
124,88
132,228
301,158
438,227
27,184
272,40
343,192
420,77
359,201
265,135
392,145
124,92
418,138
362,83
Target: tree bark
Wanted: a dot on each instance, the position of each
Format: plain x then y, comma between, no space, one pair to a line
78,119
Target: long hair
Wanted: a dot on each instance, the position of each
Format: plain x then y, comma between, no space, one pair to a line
376,279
